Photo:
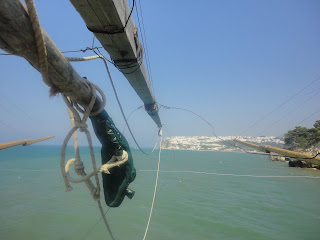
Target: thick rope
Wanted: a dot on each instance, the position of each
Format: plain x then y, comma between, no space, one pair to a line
155,187
41,45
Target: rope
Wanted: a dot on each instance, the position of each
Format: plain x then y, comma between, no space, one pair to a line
85,236
105,220
119,103
80,59
115,92
124,128
78,123
231,174
170,171
40,42
155,187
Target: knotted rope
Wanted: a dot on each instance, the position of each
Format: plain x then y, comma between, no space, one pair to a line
78,123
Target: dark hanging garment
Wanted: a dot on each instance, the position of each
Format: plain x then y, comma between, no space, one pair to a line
115,184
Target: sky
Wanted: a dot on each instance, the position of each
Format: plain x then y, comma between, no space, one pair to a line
248,67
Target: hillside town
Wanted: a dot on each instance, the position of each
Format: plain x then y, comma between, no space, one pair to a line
223,143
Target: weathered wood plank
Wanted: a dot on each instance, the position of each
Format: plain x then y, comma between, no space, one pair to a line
108,15
5,47
17,35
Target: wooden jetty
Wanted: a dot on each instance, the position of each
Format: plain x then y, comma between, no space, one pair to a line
283,152
23,142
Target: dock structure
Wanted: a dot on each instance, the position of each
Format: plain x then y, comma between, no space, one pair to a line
112,24
283,152
23,142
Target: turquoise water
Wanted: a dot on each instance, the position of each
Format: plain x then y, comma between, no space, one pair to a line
33,204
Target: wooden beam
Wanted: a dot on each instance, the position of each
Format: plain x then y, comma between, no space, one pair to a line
255,146
17,36
110,16
23,142
300,156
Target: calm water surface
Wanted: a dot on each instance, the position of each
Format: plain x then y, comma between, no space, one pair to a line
33,204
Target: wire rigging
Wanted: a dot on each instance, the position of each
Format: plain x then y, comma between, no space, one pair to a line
274,123
227,142
86,235
118,100
282,104
231,174
210,125
71,51
155,188
144,41
318,110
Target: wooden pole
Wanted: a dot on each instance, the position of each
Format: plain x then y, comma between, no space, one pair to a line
110,16
265,148
24,142
17,36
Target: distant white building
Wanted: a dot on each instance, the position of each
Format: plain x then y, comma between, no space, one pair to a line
212,143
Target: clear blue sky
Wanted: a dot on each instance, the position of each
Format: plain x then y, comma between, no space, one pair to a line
232,62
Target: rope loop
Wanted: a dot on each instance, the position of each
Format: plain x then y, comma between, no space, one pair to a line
94,88
78,123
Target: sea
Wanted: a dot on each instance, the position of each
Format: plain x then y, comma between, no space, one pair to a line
200,195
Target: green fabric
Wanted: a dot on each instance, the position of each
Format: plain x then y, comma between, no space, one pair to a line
116,183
